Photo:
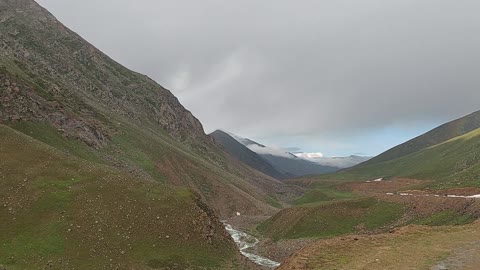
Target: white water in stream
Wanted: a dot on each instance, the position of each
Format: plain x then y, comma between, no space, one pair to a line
244,242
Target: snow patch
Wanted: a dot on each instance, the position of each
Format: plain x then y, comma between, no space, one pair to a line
476,196
309,155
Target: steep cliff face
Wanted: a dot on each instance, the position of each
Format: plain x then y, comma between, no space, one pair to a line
60,70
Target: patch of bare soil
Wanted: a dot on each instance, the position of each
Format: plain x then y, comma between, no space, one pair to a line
383,186
466,257
283,249
420,203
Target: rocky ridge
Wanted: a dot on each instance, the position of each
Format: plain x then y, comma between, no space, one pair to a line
67,74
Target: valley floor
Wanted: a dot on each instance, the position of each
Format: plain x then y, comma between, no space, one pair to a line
410,247
435,230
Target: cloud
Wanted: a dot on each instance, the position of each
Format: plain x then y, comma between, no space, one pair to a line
267,150
339,162
318,69
309,155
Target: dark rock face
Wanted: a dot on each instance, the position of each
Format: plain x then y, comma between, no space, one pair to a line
58,73
19,102
14,3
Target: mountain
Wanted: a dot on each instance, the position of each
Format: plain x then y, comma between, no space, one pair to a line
56,83
75,83
62,212
245,155
453,163
101,166
284,162
429,180
296,167
438,155
438,135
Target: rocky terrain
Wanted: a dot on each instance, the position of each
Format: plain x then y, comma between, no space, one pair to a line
119,173
74,82
53,79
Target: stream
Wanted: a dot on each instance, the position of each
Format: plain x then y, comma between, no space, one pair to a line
244,242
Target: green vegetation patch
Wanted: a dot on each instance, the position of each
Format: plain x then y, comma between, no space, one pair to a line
49,135
31,241
58,208
448,217
273,202
331,219
180,257
323,192
142,151
57,194
454,163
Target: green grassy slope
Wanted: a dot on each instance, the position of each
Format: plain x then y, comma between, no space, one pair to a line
331,219
321,192
326,210
454,163
436,136
156,157
63,212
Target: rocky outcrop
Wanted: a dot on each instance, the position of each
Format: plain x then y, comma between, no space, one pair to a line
18,102
15,3
60,66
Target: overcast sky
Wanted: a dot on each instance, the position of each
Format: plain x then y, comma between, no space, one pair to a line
338,76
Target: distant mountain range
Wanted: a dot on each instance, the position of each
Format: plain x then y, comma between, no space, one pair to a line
277,162
245,155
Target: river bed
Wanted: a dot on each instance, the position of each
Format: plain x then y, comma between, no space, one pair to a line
244,242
